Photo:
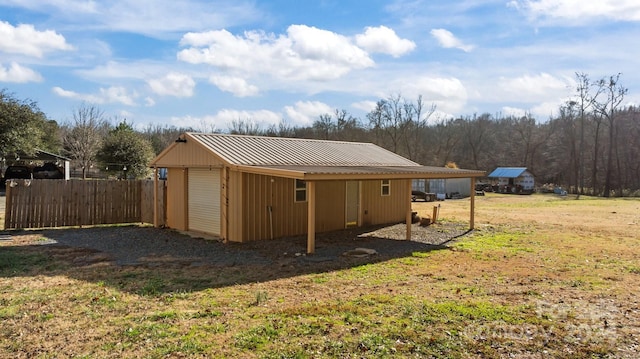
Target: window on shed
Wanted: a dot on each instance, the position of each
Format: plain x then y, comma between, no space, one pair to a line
301,191
385,187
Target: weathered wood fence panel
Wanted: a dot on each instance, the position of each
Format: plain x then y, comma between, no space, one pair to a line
60,203
147,201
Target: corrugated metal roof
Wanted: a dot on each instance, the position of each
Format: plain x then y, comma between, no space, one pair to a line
280,151
411,171
507,172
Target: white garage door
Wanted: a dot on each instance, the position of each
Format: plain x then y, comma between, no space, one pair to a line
204,200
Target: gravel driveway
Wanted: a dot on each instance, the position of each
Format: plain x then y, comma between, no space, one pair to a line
133,245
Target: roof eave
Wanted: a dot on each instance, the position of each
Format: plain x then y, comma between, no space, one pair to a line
299,173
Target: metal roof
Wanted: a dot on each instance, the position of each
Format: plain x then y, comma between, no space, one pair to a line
280,151
41,155
395,171
308,159
507,172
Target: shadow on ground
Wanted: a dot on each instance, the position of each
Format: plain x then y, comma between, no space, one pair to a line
153,261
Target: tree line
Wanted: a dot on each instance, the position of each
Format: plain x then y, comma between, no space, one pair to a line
590,147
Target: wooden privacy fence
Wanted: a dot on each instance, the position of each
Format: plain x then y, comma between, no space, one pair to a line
60,203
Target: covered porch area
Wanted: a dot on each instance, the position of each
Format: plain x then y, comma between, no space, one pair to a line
312,202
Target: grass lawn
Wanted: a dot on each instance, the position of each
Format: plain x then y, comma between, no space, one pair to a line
541,277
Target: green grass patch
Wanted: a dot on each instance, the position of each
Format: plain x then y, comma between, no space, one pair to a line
495,245
258,336
634,269
17,261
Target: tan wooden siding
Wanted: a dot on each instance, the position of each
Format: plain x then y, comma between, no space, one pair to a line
330,205
186,155
262,193
378,209
234,202
289,218
177,198
204,200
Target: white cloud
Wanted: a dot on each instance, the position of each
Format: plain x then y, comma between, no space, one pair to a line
150,17
18,74
222,119
514,111
236,85
26,40
304,113
259,117
117,94
533,88
366,106
579,10
447,40
544,110
384,40
173,84
71,6
448,94
304,53
112,94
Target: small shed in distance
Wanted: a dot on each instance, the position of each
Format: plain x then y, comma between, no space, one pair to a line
518,180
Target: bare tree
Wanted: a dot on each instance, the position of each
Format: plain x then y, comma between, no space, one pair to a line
245,127
444,138
476,132
347,127
608,108
584,102
387,121
283,129
401,125
323,127
161,136
84,138
415,124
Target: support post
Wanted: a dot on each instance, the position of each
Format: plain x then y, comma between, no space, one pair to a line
155,197
473,204
311,217
408,202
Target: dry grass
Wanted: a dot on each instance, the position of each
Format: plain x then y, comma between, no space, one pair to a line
542,276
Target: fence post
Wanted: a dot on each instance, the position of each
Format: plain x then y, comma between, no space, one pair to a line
155,197
7,207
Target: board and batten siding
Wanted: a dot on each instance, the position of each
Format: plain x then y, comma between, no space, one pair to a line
187,155
232,218
330,205
177,198
204,200
269,209
378,209
262,194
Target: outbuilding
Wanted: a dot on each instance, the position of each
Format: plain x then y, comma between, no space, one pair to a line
41,164
243,188
517,180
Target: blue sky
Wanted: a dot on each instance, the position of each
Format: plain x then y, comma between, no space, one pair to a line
207,63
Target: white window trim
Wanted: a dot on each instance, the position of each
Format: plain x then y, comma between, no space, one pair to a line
387,184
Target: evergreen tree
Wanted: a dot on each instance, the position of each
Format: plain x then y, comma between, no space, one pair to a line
125,153
22,126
